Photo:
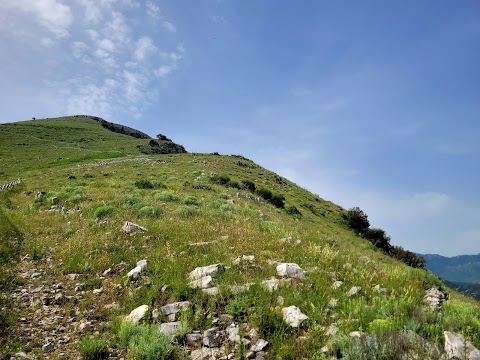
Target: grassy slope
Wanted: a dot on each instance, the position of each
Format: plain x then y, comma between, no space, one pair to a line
79,243
48,143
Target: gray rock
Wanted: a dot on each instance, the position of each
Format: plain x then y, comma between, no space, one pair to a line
174,308
236,289
260,345
48,347
210,270
213,337
22,356
213,291
85,326
142,264
202,283
137,314
202,354
353,291
60,299
293,316
271,284
226,319
337,284
134,273
193,339
291,270
170,328
332,330
457,348
434,298
130,228
244,259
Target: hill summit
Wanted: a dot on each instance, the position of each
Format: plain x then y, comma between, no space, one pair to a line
110,249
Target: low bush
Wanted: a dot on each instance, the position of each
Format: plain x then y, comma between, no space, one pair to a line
102,211
186,211
265,193
278,201
249,185
165,196
220,179
190,200
292,210
92,349
149,211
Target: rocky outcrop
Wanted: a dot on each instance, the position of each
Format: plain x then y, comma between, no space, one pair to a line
457,348
291,270
137,314
434,298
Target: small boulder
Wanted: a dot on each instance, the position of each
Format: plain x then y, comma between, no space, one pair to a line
457,348
434,298
137,314
353,291
210,270
170,328
293,316
202,283
213,337
271,284
193,339
213,291
337,284
291,270
174,308
260,345
130,228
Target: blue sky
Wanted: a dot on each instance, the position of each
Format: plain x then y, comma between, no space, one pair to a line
373,104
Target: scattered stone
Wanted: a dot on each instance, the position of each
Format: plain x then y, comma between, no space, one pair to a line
97,291
22,356
173,309
434,298
135,272
72,277
380,290
260,345
202,354
365,259
48,347
457,348
337,284
332,330
107,272
353,291
356,334
137,314
130,228
236,289
60,299
84,326
213,337
202,283
291,270
226,319
244,259
213,291
280,300
333,303
142,264
170,328
293,316
271,284
210,270
193,339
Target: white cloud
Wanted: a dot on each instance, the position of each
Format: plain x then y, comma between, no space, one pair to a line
164,70
152,10
107,45
117,28
144,46
169,26
93,13
52,15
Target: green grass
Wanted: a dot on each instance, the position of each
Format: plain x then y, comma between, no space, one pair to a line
186,214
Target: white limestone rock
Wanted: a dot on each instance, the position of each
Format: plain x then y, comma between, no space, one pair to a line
291,270
210,270
457,348
293,316
202,283
137,314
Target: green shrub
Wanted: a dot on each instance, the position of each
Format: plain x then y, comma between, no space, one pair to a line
278,201
220,179
144,184
237,306
357,220
292,210
265,193
190,200
149,211
249,185
186,211
102,211
165,196
234,184
92,349
144,342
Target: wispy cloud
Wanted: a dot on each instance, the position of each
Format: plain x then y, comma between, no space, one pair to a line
169,26
152,10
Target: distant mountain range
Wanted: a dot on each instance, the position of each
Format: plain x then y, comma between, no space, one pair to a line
459,272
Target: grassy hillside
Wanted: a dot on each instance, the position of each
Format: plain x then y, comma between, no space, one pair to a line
48,143
65,258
